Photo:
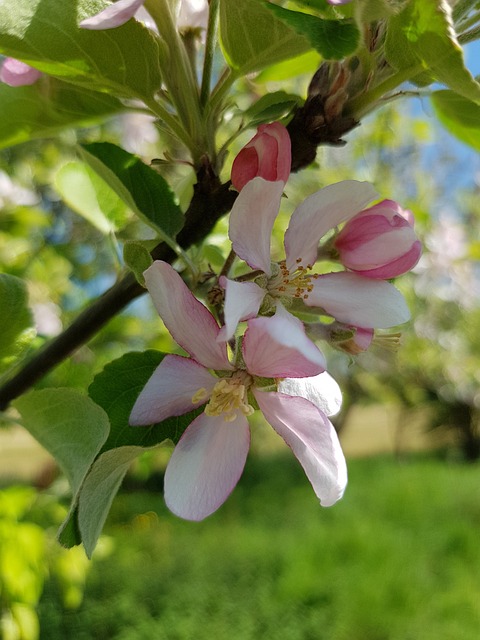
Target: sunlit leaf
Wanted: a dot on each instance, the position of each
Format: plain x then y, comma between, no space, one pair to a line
142,189
45,34
252,38
91,197
422,38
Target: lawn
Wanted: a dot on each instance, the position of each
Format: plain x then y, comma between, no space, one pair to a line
397,559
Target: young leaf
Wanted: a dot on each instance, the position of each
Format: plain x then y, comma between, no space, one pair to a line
16,323
116,389
137,257
45,34
252,38
43,109
459,116
333,39
91,197
422,37
271,106
73,429
138,185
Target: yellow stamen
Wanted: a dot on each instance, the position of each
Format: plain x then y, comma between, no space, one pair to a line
201,394
229,396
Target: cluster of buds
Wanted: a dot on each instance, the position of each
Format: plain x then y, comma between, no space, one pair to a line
254,351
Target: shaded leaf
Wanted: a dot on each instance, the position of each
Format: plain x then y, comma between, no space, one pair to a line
270,107
72,428
16,321
43,109
333,39
116,389
137,257
460,116
99,490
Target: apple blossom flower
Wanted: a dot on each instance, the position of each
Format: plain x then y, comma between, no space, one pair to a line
18,74
348,297
379,242
112,16
268,155
209,458
191,14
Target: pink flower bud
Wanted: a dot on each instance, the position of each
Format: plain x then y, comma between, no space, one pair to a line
379,242
18,74
267,155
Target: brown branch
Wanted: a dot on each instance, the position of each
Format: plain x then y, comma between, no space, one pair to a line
318,121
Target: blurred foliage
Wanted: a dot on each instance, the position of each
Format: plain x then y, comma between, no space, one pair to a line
29,555
396,559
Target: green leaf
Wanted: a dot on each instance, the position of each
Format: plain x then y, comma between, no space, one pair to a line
45,34
460,116
73,429
422,37
16,322
137,257
270,107
306,64
99,490
116,389
333,39
91,197
48,106
252,38
141,188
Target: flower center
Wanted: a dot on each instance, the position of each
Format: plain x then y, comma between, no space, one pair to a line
295,283
229,396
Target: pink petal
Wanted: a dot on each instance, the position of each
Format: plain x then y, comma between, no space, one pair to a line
396,267
188,320
321,390
18,74
206,465
170,390
321,212
312,438
242,301
113,16
251,221
277,347
359,301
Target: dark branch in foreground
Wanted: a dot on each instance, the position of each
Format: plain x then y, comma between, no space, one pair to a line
318,121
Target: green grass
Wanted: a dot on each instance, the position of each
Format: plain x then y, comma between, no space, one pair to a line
397,559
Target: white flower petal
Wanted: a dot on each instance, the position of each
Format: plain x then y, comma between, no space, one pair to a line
188,320
206,465
170,389
312,438
242,301
251,221
113,16
359,301
277,347
322,390
321,212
